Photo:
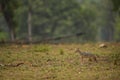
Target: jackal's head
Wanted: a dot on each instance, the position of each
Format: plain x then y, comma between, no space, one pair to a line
77,50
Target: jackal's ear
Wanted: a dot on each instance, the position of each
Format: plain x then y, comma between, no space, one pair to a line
76,49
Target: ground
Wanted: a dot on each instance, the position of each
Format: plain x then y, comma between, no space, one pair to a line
58,62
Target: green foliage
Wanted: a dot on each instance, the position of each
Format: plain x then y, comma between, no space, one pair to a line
8,10
116,5
3,36
9,7
54,18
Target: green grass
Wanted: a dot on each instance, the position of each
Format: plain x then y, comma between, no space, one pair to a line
59,62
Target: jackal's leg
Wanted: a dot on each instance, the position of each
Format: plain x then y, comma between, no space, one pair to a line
90,59
82,58
95,59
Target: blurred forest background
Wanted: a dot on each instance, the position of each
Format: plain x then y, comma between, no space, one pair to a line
35,20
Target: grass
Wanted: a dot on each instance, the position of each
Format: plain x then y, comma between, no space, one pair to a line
59,62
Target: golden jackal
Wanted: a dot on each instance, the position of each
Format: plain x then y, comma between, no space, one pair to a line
90,56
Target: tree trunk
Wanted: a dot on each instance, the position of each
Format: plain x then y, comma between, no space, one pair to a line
12,33
8,15
29,24
29,27
11,26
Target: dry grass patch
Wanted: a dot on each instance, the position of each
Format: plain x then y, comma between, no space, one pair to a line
59,62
